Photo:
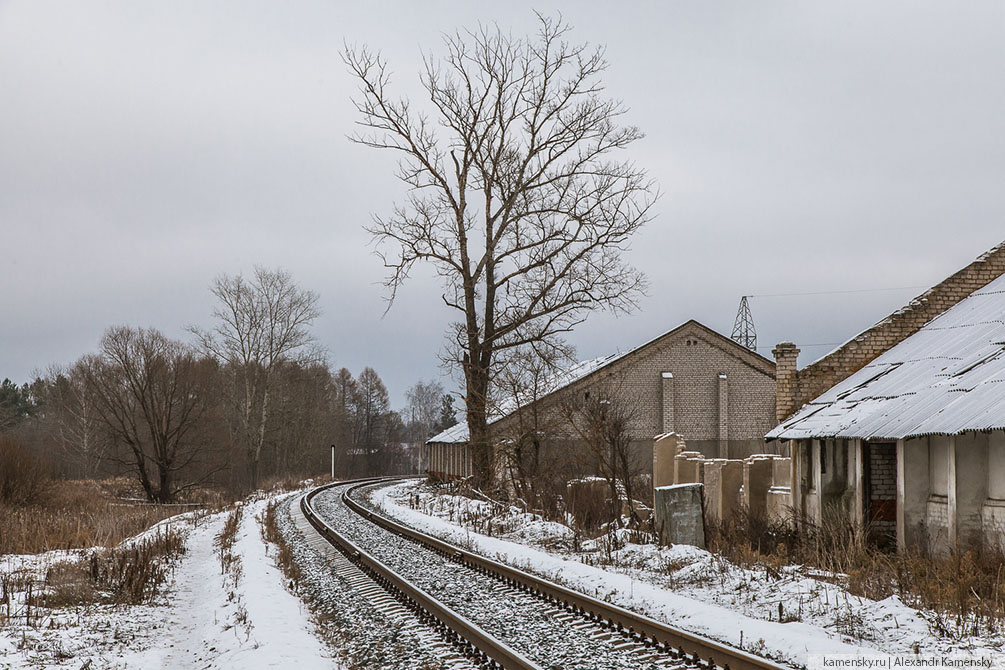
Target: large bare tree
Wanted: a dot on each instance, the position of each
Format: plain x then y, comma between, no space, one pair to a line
262,322
151,392
514,197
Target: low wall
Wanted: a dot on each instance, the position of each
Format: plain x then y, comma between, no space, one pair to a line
759,483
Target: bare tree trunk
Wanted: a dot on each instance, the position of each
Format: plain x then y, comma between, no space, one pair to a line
255,453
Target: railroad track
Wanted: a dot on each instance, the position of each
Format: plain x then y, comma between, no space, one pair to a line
570,628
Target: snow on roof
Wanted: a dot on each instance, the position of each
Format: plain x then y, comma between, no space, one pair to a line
573,374
459,433
456,433
947,378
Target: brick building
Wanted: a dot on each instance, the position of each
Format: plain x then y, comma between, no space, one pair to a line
716,394
903,427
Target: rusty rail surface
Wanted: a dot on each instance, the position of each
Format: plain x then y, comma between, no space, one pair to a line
472,640
686,646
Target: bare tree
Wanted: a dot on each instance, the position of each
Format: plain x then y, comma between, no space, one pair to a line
151,392
514,197
372,413
261,323
70,414
536,466
603,419
425,401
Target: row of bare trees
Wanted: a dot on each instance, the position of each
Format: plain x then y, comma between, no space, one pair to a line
253,398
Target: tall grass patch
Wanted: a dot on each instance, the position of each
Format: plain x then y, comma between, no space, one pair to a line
964,589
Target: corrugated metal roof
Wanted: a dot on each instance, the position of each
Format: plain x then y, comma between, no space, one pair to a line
947,378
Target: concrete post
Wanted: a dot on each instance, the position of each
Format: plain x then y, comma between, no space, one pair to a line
678,515
665,450
795,456
913,491
668,400
757,471
951,492
723,416
785,354
901,498
858,504
780,493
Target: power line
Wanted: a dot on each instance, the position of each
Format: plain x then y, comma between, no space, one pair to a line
861,290
818,344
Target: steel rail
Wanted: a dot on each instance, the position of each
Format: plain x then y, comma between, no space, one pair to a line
678,642
475,638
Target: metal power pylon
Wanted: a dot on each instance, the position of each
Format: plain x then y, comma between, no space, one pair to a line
743,330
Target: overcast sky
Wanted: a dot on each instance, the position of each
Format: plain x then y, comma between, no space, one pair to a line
146,148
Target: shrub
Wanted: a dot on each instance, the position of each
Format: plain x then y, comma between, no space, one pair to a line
965,590
23,478
131,574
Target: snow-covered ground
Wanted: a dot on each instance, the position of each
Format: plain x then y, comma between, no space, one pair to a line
203,619
786,614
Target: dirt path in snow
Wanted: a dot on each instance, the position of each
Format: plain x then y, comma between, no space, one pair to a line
204,629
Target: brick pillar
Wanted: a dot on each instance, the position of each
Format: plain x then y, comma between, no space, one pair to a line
785,379
668,402
723,417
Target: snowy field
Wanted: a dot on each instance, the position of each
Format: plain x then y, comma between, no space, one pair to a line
205,618
785,615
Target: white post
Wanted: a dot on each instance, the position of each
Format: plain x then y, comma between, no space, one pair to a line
333,462
901,496
860,505
951,493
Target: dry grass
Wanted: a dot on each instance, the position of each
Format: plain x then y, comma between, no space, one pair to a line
131,574
231,567
965,590
24,478
225,540
76,514
284,555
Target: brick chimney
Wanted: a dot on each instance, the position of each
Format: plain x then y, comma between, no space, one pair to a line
785,354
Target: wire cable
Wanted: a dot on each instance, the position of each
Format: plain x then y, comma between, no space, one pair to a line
861,290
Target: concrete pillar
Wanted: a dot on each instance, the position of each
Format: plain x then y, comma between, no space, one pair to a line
668,400
795,457
757,472
732,482
971,485
785,354
951,492
723,416
780,493
678,515
665,449
913,491
688,467
901,497
858,503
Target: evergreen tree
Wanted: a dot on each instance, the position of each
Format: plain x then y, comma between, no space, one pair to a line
448,415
